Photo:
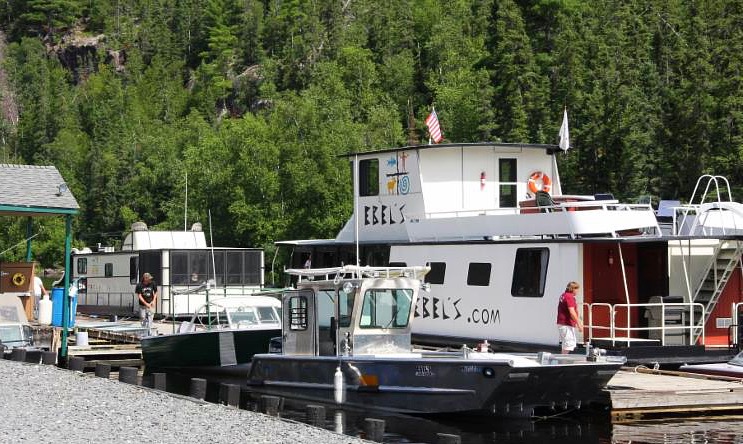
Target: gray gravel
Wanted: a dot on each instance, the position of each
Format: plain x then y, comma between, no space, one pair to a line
46,404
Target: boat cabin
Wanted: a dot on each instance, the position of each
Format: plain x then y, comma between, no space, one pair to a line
503,240
181,264
370,313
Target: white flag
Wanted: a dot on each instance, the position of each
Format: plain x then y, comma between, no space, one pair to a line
564,132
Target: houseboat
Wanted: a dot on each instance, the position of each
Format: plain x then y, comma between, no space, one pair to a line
502,241
346,339
179,261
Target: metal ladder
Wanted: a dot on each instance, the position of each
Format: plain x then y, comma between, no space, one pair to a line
726,257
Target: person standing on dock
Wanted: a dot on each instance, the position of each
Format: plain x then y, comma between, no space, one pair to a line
146,292
568,319
39,290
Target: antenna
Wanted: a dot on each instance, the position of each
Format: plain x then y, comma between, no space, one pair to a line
185,207
356,205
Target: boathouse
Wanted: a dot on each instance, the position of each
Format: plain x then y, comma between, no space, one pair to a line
35,191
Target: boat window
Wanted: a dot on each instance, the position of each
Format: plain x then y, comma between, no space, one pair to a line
11,334
345,307
108,269
179,268
507,183
150,261
253,267
298,313
479,274
437,273
82,265
386,308
325,307
267,314
368,177
245,315
530,272
133,270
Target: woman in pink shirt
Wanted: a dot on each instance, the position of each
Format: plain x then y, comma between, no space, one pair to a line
568,319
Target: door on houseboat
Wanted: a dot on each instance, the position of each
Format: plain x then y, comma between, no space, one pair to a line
299,322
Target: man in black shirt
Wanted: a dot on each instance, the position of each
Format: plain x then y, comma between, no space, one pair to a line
146,292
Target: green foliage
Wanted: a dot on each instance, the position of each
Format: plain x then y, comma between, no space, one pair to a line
255,102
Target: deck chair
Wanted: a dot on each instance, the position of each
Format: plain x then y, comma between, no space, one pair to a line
544,201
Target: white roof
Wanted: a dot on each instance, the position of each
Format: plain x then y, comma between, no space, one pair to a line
155,240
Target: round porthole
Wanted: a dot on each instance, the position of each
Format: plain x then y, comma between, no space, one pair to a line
488,372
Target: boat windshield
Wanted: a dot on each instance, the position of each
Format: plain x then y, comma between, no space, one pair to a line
738,360
253,315
386,308
11,334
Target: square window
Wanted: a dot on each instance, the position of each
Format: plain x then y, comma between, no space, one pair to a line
437,273
530,272
479,274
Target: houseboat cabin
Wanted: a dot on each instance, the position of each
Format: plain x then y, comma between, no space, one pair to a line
503,240
181,263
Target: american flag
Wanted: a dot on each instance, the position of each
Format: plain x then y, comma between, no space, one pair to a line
432,122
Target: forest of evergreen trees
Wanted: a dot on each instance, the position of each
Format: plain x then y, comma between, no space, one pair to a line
254,100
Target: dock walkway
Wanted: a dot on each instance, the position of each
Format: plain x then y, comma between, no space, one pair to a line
634,395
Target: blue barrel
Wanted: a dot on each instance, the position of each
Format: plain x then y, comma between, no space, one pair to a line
57,301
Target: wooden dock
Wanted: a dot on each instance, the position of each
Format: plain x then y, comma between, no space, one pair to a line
115,355
651,394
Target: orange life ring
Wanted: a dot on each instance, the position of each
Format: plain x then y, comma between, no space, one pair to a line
539,176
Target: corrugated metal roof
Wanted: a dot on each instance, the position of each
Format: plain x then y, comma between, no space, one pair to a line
30,188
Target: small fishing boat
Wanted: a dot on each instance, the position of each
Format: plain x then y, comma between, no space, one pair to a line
732,368
223,333
346,338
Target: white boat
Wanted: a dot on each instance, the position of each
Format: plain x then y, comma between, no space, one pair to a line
500,257
346,338
179,261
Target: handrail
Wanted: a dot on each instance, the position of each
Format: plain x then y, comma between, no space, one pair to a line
736,306
690,325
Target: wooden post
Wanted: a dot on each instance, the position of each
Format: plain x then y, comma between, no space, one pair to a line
159,381
374,429
316,415
49,357
76,363
128,375
103,370
198,388
270,405
18,354
229,394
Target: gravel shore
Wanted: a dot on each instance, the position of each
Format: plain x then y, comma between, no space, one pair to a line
46,404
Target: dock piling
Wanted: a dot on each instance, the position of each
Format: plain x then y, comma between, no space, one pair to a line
76,364
198,388
128,375
159,381
270,405
316,415
49,358
18,354
374,429
103,370
229,394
